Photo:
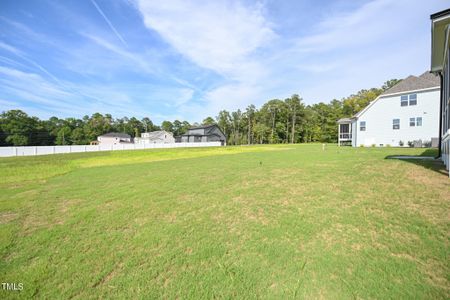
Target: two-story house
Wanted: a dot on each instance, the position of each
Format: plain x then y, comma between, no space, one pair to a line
404,114
202,134
155,137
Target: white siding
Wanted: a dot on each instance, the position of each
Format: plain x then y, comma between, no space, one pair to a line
380,114
354,134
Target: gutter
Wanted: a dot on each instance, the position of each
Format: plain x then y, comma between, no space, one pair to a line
441,100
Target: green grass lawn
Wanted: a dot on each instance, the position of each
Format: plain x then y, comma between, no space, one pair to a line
272,222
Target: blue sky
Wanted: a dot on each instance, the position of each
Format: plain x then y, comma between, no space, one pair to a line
180,59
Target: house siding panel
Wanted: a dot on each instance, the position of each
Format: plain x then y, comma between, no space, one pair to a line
380,115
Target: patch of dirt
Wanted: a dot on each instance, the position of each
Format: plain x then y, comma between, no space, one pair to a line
436,274
66,205
6,217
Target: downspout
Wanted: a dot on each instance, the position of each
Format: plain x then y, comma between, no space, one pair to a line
441,100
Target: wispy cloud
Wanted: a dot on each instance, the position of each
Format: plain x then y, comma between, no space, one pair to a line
217,35
189,59
100,11
221,36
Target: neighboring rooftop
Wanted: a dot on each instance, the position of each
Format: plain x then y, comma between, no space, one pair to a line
412,83
117,134
203,126
345,120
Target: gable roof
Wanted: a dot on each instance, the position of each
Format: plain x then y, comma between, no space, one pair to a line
413,83
205,132
116,134
346,120
203,126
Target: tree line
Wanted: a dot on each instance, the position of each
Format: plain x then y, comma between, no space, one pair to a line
276,121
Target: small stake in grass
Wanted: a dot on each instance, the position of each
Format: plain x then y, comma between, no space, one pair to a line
324,147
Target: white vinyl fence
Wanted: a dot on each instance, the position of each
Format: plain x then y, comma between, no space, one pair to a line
44,150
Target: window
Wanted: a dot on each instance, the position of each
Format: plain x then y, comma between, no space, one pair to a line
412,99
419,121
396,124
362,126
412,122
404,100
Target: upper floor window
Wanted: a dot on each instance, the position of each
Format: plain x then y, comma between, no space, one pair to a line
419,121
396,124
406,100
362,126
412,99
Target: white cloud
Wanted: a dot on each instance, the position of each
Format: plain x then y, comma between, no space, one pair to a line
369,24
215,55
223,36
217,35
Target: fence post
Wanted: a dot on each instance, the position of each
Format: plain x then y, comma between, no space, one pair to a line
35,150
16,152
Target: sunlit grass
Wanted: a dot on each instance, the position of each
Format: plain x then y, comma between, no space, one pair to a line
265,222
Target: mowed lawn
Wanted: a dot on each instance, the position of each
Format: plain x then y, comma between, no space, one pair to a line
289,221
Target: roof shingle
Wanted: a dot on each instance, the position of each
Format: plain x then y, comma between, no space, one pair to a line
412,83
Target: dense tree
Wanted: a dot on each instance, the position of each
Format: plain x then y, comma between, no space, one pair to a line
390,83
167,126
277,121
147,125
18,127
250,115
296,112
224,122
208,121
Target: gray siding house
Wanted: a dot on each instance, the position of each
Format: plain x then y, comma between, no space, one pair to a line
203,134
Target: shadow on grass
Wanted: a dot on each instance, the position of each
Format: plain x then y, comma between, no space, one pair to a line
426,159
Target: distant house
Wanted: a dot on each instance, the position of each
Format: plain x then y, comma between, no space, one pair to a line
114,138
407,112
155,137
202,134
440,64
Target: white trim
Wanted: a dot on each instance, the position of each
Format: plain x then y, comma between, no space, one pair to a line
446,136
447,34
447,16
436,69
